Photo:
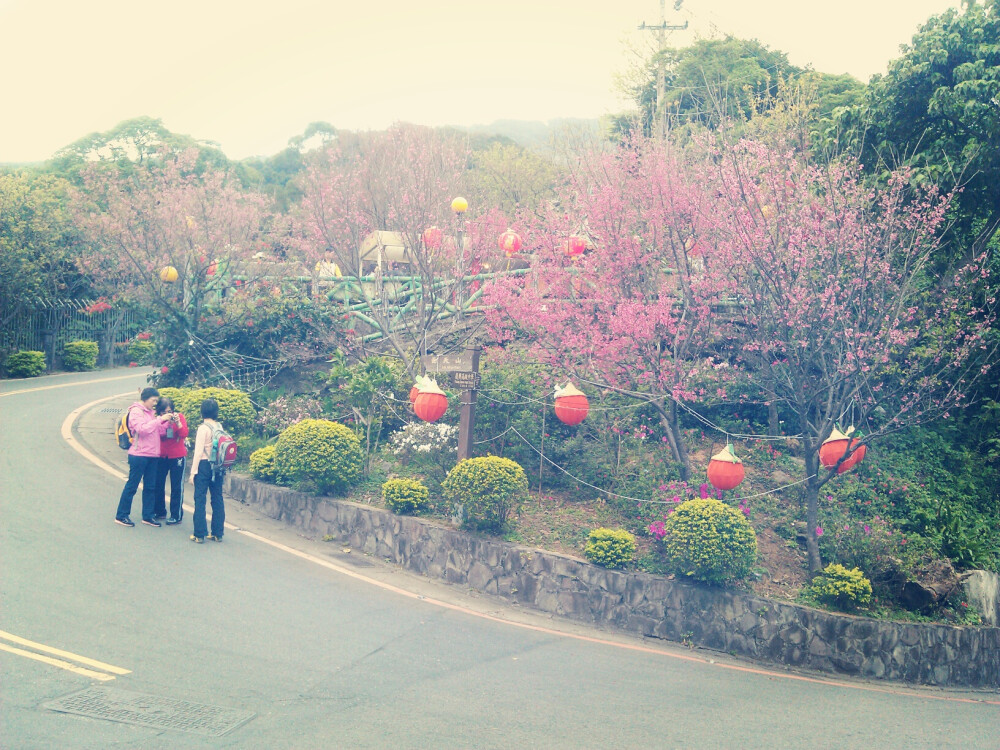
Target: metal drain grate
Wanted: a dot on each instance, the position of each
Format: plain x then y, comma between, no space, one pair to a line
112,410
127,707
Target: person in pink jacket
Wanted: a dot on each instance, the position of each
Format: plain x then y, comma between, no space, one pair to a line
143,457
173,454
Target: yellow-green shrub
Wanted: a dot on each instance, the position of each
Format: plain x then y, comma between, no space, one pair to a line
140,351
262,463
489,489
842,588
26,364
612,548
404,496
236,411
709,541
318,452
79,356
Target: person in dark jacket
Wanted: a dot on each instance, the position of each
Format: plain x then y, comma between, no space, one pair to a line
173,455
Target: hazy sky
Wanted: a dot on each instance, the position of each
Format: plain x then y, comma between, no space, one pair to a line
250,75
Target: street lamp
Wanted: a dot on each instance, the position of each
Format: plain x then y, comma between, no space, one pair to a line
459,205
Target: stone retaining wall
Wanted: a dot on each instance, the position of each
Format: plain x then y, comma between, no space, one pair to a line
644,604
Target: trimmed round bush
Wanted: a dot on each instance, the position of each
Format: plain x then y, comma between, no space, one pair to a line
610,548
79,356
709,541
236,411
262,463
26,364
404,496
141,352
318,452
489,489
842,588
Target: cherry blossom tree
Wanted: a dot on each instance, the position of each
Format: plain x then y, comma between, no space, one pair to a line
402,180
843,319
172,213
638,310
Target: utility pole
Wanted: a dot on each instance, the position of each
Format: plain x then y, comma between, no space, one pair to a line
661,30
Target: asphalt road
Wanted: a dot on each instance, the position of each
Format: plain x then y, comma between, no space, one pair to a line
297,643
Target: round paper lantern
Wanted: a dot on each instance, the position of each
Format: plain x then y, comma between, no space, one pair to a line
430,403
413,394
725,470
460,205
210,271
571,405
510,242
574,246
168,274
433,237
833,448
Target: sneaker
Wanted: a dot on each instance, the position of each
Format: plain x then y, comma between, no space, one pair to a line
159,516
124,521
150,522
198,539
215,538
172,521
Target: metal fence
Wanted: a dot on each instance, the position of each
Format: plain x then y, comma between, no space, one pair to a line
47,326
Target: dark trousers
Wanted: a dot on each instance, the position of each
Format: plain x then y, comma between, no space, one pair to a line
174,467
204,485
140,468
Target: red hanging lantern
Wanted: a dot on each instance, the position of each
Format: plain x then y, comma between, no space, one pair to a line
510,242
430,403
857,452
832,449
413,394
574,246
725,470
571,405
433,237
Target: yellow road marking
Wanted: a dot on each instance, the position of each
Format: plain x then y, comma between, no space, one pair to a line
66,385
58,663
65,654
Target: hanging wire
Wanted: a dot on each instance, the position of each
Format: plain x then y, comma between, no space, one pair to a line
627,497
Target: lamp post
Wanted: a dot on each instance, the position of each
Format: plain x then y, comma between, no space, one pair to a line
460,206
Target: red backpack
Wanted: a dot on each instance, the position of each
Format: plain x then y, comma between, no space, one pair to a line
223,453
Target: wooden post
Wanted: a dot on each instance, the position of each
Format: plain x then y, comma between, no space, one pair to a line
467,416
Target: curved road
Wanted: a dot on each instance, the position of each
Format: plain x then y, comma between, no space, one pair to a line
292,644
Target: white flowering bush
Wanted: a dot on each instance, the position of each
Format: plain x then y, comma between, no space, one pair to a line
285,411
430,446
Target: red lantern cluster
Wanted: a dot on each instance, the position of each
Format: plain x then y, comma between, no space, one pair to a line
430,402
574,246
725,470
835,446
433,237
571,405
510,242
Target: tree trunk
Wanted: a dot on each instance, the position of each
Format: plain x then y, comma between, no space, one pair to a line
773,428
671,424
812,509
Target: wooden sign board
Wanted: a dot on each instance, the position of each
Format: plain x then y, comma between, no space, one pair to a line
467,380
456,362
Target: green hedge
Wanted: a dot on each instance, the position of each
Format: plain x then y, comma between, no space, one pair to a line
26,364
262,463
320,454
709,541
79,356
236,411
405,496
611,548
489,489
